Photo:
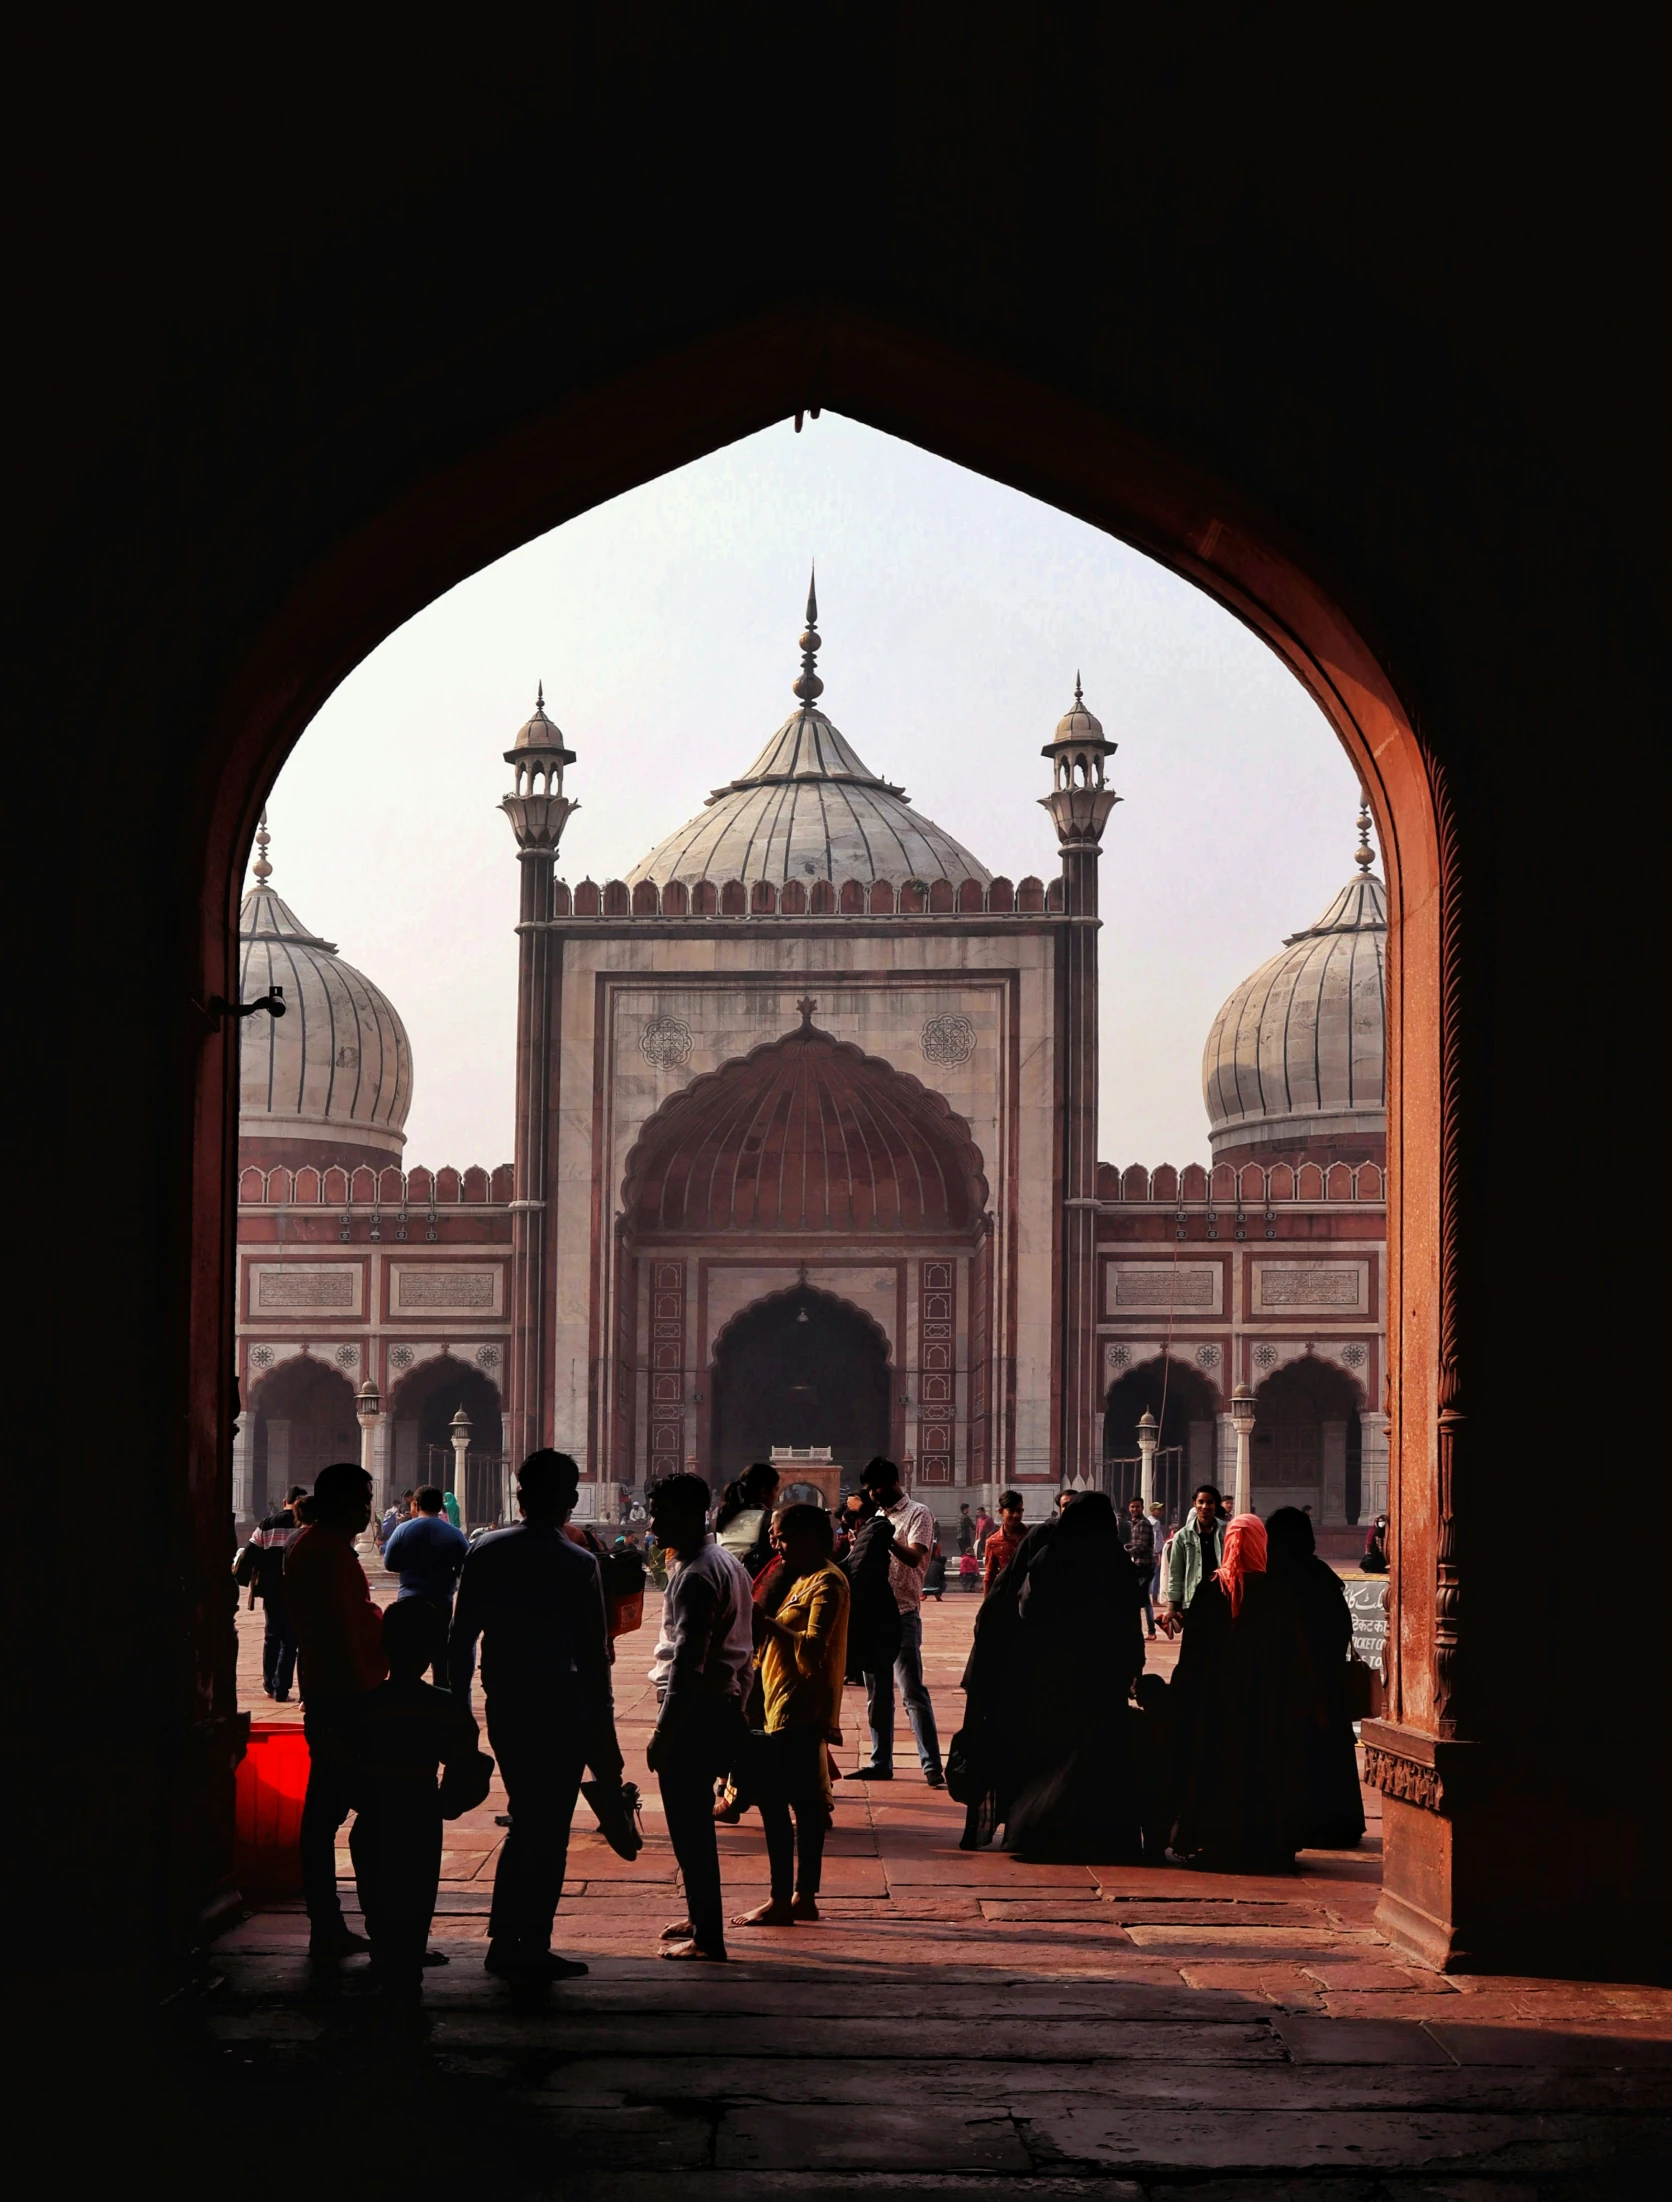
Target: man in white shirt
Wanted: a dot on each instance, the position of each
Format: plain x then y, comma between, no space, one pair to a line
914,1537
708,1621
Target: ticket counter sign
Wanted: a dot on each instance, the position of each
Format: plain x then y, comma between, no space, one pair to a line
1367,1602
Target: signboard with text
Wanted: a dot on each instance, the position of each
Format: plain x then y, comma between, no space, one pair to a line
1367,1602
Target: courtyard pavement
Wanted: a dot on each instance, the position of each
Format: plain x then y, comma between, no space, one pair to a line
958,2023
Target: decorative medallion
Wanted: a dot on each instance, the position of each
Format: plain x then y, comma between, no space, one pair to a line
487,1357
261,1357
665,1042
948,1039
1265,1357
348,1357
1119,1357
1207,1357
1354,1356
400,1357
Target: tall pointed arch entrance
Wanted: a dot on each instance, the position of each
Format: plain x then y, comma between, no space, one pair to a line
801,1258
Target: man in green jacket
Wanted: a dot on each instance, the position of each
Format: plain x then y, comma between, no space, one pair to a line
1196,1550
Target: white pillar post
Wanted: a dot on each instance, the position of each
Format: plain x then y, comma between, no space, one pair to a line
243,1467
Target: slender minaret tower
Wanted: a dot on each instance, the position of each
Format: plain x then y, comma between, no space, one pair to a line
538,810
1079,805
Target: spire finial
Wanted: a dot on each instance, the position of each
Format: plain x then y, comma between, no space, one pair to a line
809,687
1079,699
1364,856
263,839
539,695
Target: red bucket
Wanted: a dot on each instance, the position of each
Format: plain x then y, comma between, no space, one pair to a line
267,1828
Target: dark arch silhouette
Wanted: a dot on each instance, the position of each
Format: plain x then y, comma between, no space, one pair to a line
1186,1407
801,1367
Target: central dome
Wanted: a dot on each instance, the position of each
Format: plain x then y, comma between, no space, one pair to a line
808,808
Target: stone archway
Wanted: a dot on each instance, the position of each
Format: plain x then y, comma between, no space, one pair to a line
1306,1447
799,1368
421,1410
1186,1409
303,1414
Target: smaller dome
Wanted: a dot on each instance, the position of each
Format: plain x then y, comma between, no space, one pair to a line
330,1080
1297,1057
1077,724
538,733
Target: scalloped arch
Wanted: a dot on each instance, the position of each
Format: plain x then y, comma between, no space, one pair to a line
806,1133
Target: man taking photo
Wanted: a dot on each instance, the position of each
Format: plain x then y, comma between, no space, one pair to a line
914,1535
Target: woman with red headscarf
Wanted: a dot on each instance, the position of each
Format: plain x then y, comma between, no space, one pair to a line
1244,1685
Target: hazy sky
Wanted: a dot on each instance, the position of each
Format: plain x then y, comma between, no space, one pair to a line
954,614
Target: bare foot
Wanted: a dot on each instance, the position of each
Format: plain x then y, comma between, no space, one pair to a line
769,1914
678,1930
692,1953
805,1907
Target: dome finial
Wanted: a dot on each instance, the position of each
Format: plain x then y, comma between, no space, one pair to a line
809,687
1365,856
1079,699
539,695
263,840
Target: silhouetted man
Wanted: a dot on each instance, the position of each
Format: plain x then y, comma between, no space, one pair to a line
267,1549
1138,1536
537,1602
339,1636
914,1535
708,1624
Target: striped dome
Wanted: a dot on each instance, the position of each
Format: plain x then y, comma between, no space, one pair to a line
1299,1052
808,808
334,1073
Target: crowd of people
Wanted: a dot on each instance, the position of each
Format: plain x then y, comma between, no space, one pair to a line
769,1611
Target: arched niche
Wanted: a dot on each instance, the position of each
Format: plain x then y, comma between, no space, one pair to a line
799,1368
1306,1448
303,1418
422,1404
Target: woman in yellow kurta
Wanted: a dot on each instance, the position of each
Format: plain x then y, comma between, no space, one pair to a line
803,1654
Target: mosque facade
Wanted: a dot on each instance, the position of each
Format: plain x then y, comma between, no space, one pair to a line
805,1157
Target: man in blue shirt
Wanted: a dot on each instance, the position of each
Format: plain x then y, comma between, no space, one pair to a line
427,1552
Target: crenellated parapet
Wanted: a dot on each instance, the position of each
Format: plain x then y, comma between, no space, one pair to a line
814,898
365,1187
1250,1185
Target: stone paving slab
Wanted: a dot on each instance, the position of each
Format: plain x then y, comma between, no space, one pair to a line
959,2024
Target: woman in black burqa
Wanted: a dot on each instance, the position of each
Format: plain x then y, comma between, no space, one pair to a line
1335,1803
1046,1739
1244,1699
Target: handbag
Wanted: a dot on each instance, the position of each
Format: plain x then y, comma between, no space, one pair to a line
464,1784
962,1781
1362,1689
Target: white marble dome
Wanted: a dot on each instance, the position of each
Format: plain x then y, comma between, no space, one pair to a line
1298,1054
334,1074
808,808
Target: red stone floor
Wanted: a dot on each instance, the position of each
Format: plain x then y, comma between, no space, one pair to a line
960,2023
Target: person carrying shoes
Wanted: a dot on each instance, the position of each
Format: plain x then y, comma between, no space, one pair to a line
707,1620
536,1601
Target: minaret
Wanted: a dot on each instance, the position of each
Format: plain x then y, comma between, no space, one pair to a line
1079,805
538,810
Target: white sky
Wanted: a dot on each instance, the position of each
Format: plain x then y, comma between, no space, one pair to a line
954,614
